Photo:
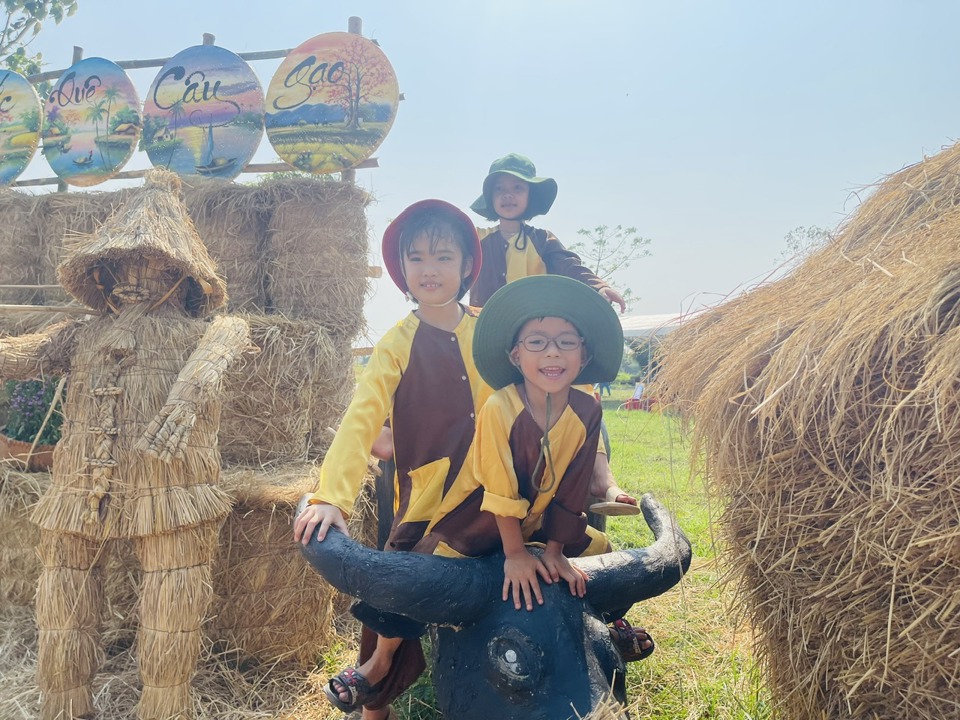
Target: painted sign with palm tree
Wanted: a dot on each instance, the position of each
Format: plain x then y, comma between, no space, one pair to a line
203,114
331,103
19,125
91,122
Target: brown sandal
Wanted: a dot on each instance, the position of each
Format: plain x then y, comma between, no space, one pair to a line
629,641
356,685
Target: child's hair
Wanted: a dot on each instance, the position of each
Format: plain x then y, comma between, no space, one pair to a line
437,226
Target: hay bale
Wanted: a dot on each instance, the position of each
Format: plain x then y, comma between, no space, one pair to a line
317,253
19,259
827,413
19,565
270,604
279,402
232,222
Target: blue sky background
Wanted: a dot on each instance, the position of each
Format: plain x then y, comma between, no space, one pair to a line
713,127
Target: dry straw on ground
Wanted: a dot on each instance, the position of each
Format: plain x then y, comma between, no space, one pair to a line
827,410
269,623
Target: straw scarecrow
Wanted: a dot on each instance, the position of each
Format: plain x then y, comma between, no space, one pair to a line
138,456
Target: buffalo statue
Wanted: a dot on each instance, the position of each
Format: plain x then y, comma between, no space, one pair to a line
490,660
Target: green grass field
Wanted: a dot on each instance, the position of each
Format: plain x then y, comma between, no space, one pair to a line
703,666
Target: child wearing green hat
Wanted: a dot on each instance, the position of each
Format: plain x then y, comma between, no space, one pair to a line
535,442
421,376
513,193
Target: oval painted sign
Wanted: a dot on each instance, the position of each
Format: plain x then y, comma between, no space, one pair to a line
20,113
203,114
91,122
331,103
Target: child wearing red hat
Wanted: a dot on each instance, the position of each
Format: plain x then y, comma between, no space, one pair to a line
421,376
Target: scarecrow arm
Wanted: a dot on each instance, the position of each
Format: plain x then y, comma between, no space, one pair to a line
167,434
27,357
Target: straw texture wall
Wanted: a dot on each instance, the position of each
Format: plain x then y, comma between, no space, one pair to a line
826,409
294,256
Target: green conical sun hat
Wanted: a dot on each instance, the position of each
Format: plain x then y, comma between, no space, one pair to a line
540,296
543,190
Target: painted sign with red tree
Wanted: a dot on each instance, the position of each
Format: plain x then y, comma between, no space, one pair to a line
331,103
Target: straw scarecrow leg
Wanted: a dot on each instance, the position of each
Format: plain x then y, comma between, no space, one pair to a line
69,600
174,597
167,435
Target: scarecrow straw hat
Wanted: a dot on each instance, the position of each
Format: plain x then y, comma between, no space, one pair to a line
152,224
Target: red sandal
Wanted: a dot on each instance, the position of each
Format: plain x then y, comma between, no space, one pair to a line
629,641
356,685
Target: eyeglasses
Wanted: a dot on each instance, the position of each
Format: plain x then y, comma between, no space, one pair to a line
564,342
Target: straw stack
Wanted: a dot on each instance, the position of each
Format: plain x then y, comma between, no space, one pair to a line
317,256
827,412
294,255
270,605
279,402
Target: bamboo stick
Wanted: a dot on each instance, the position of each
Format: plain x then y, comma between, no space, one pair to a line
68,309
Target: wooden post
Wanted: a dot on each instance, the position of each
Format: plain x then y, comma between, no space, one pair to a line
354,26
77,57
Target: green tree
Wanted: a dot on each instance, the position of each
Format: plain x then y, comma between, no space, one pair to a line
802,242
22,21
606,250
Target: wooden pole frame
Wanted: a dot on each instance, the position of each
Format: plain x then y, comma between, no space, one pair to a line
354,25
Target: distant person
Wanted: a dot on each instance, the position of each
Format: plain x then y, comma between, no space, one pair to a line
512,194
605,389
638,388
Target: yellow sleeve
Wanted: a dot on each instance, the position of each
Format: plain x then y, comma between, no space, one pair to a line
345,463
493,461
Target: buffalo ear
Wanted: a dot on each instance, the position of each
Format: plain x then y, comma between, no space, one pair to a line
617,580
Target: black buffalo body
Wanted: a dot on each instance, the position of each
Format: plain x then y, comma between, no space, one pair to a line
490,660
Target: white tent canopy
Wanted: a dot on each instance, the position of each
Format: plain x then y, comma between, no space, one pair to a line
642,326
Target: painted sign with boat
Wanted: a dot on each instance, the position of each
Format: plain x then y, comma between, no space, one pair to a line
331,103
203,114
91,122
20,114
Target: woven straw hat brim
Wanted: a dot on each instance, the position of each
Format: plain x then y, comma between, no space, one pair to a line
153,223
546,296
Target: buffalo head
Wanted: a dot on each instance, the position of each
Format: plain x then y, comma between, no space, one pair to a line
490,660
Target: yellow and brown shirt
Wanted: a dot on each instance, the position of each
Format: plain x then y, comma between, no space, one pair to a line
505,454
423,379
530,252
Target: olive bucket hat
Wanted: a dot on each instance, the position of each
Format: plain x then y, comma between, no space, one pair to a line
537,296
543,190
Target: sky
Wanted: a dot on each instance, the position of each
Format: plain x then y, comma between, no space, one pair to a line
715,127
